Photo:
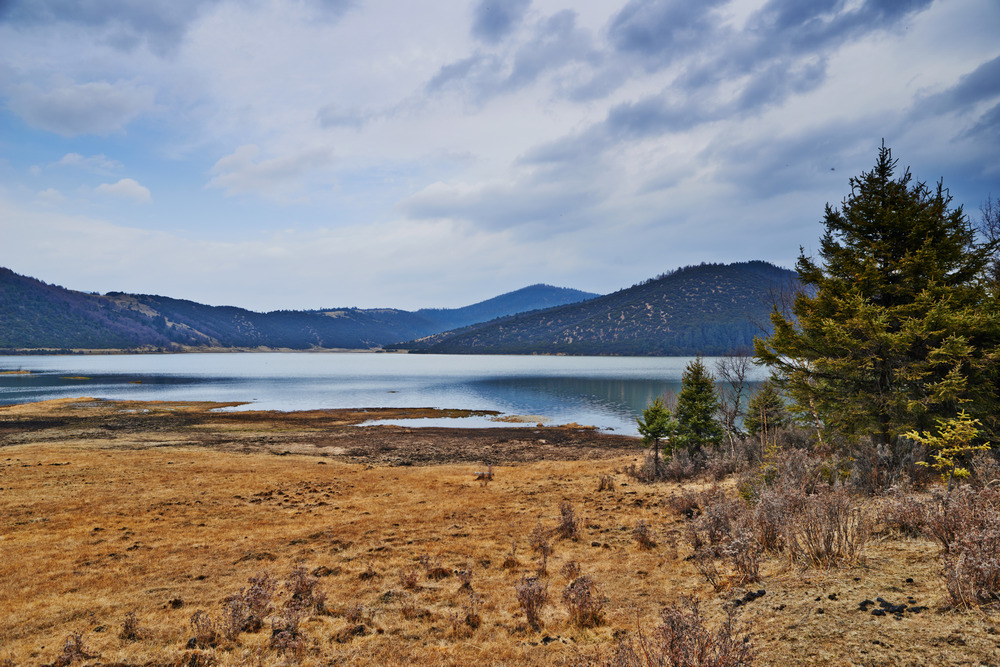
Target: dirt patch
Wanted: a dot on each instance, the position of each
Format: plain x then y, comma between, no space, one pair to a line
325,433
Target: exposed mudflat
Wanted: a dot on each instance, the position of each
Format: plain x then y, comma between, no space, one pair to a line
327,433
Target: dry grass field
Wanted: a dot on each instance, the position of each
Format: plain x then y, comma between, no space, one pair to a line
131,532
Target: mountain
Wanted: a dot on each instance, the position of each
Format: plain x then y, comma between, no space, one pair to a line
707,309
36,315
525,299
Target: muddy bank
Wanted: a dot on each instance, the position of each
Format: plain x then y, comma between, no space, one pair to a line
323,433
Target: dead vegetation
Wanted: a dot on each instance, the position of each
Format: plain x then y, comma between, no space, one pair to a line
165,553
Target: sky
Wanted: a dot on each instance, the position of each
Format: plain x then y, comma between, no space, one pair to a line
300,154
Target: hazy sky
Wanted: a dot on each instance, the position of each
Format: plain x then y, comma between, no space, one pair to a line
410,153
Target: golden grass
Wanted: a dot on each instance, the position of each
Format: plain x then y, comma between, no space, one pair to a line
92,531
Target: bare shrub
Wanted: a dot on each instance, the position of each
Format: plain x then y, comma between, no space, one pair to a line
743,552
465,577
643,535
510,561
972,567
287,638
73,651
831,529
683,639
586,607
408,579
131,630
708,568
532,595
571,570
305,593
540,544
985,470
433,568
245,612
771,515
877,468
206,632
606,483
902,513
569,525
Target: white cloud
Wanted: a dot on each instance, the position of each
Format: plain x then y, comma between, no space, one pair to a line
51,196
70,108
126,188
94,162
241,172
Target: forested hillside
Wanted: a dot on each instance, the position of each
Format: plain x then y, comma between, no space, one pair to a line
707,309
38,316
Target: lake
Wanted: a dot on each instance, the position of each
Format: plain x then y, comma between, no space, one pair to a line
606,392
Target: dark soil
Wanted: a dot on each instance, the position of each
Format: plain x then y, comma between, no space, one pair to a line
321,433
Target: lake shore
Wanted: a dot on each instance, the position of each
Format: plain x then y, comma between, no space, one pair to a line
164,509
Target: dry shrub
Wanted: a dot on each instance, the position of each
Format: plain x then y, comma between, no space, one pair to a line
569,525
877,468
408,579
287,638
950,516
246,611
743,552
643,535
206,632
684,640
73,651
902,513
687,504
606,483
586,607
571,570
681,466
985,470
830,530
433,568
771,515
510,561
532,595
131,630
306,595
540,544
465,577
972,568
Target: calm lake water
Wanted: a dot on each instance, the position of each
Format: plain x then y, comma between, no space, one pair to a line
607,392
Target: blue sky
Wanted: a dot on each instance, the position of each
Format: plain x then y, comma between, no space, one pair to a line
380,153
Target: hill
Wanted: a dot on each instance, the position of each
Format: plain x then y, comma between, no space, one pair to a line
38,316
707,309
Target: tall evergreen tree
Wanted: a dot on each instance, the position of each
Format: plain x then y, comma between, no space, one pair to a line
697,407
896,324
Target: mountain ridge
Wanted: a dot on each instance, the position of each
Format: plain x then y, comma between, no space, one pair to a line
35,315
704,309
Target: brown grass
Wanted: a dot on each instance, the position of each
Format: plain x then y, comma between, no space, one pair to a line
111,546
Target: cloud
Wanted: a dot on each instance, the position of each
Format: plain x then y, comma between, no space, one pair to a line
101,163
126,188
123,24
660,31
492,20
553,44
242,173
51,196
71,109
333,115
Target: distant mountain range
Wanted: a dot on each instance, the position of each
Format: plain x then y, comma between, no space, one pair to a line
38,316
709,309
706,309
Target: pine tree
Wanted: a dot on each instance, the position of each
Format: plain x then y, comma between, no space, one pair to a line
655,425
896,325
697,407
765,410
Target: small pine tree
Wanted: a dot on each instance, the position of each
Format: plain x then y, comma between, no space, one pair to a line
697,407
765,410
952,443
655,425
